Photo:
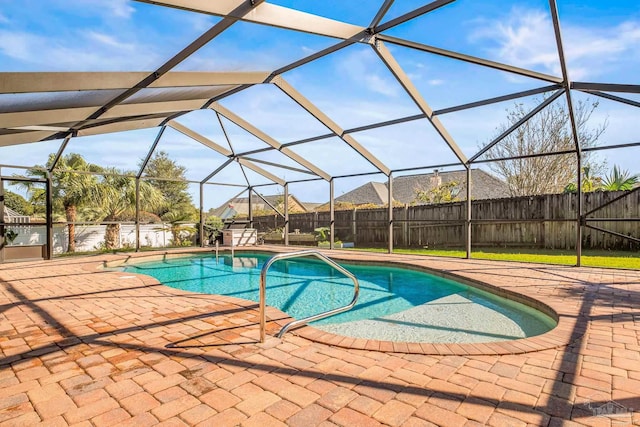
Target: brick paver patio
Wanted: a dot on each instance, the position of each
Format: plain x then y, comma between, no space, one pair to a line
82,346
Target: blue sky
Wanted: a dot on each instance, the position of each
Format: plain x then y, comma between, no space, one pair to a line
602,41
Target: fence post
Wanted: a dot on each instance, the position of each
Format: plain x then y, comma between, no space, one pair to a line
468,214
250,208
49,215
137,221
1,217
354,228
390,211
331,215
286,214
405,226
579,213
201,231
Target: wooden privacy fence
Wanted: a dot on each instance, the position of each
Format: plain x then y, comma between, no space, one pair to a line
547,221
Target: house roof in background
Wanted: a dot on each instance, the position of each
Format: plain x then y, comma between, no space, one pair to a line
311,206
240,205
371,192
483,186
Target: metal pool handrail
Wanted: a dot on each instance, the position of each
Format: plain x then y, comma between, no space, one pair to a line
295,323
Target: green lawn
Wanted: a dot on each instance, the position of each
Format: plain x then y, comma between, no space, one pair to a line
591,258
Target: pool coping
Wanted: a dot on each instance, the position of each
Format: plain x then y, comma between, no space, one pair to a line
570,327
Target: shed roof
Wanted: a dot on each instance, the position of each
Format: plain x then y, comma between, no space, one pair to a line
12,216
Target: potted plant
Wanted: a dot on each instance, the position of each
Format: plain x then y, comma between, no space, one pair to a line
10,236
322,237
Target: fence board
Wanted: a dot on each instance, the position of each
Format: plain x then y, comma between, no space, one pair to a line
547,221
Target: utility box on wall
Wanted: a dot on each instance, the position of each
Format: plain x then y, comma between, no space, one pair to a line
239,237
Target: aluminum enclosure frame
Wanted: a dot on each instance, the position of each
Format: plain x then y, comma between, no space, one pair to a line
18,127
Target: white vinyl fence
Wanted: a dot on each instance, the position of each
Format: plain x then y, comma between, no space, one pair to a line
91,237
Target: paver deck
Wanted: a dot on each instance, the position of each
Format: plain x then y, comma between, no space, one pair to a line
88,347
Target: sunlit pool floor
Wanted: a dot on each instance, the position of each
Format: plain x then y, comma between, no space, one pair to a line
452,319
394,304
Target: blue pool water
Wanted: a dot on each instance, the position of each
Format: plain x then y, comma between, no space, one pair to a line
401,299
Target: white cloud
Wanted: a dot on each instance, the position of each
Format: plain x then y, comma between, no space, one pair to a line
360,67
109,41
198,21
307,50
120,8
273,112
420,72
381,85
526,38
17,45
90,51
3,19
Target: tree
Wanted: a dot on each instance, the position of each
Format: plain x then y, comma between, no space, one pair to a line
546,132
176,191
589,182
72,186
177,219
177,207
443,193
212,228
117,202
18,203
619,180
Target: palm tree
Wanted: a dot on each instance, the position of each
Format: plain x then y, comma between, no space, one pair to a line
72,186
117,191
589,182
176,217
619,180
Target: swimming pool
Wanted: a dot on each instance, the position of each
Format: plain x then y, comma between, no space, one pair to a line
396,304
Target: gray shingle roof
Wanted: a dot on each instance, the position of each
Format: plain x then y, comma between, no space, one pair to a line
240,205
371,192
483,186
